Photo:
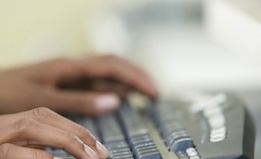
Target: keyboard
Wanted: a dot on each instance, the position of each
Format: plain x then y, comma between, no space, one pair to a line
199,126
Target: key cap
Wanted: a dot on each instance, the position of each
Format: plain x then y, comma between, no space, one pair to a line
182,155
150,155
191,151
182,144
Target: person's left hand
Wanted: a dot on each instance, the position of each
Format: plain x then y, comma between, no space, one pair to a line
89,86
26,134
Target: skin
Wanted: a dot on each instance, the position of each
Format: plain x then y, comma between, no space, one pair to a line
35,128
72,86
65,86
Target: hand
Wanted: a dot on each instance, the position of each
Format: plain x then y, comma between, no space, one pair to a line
42,127
90,86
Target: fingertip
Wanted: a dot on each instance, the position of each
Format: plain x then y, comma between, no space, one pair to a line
106,102
154,94
57,157
153,91
91,154
102,150
149,89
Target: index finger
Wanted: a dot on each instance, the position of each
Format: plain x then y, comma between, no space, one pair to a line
46,116
120,70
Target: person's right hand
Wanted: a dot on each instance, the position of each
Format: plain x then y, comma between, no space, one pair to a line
87,86
42,127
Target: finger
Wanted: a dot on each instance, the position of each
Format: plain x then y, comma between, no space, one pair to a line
108,86
10,151
47,116
120,70
31,132
80,102
40,147
97,85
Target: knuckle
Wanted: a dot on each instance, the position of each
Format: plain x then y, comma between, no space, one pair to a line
24,124
73,141
5,150
84,133
86,136
41,113
71,138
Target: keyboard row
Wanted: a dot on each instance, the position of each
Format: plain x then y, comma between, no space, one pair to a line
123,134
174,133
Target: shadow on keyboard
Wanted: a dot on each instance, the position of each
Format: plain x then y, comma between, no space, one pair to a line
208,126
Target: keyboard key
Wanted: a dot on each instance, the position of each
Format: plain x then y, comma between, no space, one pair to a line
124,152
150,155
191,151
122,157
182,155
194,157
182,144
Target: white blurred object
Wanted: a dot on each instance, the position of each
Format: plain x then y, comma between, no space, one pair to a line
170,42
236,24
113,29
188,58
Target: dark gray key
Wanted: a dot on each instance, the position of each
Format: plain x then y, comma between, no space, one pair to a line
182,155
150,155
122,156
145,148
182,144
121,153
144,145
176,136
117,145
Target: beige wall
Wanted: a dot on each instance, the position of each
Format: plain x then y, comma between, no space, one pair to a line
33,30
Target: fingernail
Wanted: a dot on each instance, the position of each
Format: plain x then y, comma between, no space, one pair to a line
91,154
106,102
57,157
103,152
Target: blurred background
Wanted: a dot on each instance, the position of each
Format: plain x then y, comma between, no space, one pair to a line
211,44
183,44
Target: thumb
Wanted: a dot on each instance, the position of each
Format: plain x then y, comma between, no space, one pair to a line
86,103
